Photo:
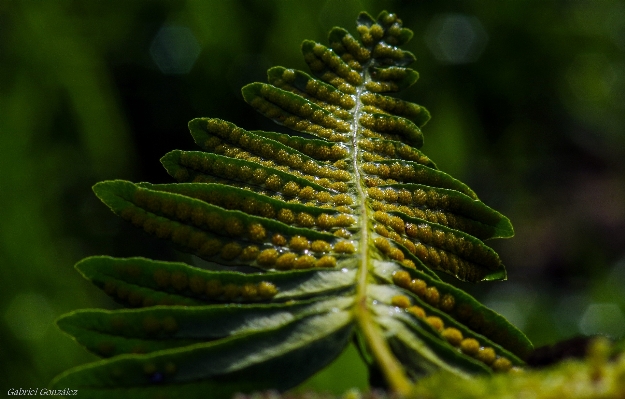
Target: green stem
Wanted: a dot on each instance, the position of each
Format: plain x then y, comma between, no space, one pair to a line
390,367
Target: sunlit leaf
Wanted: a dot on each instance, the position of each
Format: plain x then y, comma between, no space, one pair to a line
335,231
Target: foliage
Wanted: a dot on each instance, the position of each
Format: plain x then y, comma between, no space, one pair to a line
345,221
601,374
534,125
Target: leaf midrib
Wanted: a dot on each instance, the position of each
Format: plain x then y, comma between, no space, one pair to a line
389,365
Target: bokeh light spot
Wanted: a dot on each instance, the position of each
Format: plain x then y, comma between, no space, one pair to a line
618,271
603,318
456,38
174,50
591,77
29,316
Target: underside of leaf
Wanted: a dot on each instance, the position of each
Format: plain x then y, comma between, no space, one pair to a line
335,230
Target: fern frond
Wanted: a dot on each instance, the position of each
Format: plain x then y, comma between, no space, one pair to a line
335,230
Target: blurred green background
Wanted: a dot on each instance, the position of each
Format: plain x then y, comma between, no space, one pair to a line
528,105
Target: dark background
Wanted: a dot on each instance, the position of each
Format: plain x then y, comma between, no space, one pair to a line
527,98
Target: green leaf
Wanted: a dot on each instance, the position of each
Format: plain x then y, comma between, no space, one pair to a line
161,327
260,360
334,231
